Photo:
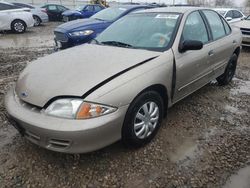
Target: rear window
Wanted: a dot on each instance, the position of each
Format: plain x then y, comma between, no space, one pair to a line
7,7
227,28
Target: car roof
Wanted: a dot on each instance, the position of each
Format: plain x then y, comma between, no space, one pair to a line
223,9
182,10
130,6
53,4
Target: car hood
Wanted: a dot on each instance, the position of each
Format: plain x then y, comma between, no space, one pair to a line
75,71
74,25
243,24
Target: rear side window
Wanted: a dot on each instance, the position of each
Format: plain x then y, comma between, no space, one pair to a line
61,8
195,28
215,23
52,7
227,28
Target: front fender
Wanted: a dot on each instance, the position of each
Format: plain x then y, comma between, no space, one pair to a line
122,90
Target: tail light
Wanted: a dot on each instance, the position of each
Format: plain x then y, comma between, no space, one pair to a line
45,11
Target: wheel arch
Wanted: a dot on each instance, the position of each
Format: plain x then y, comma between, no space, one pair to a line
18,19
237,51
35,15
161,90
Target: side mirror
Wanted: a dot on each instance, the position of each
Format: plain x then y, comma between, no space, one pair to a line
190,45
229,19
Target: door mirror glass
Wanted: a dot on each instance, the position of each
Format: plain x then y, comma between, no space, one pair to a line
190,45
229,19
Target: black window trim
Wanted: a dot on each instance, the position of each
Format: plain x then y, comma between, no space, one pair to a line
213,40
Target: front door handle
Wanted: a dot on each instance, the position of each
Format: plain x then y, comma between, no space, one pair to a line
211,53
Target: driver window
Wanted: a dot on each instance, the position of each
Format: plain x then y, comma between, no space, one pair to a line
89,8
195,29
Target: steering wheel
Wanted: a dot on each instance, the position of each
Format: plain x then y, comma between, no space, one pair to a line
157,37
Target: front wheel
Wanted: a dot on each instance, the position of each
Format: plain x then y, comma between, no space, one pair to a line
18,26
143,119
228,75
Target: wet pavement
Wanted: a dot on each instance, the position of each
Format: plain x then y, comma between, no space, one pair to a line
204,141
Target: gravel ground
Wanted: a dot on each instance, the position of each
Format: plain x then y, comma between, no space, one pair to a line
204,141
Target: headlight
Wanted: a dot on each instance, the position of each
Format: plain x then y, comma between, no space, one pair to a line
77,109
81,33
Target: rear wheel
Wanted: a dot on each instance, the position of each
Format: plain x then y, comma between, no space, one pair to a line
18,26
143,119
228,75
37,21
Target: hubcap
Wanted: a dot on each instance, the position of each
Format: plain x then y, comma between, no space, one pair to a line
19,27
146,120
37,21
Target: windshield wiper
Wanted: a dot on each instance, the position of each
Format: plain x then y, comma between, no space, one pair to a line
94,41
99,19
117,43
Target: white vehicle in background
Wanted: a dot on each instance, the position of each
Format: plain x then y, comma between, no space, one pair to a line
39,14
15,18
231,15
245,29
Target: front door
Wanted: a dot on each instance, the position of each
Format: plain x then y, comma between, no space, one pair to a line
193,68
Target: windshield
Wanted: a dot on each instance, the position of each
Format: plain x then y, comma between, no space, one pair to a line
248,18
109,14
152,31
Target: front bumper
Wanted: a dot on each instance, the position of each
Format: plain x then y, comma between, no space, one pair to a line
65,135
245,40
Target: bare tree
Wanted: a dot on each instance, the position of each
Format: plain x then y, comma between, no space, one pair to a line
223,3
247,3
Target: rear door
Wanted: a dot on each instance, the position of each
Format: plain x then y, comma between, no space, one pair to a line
223,42
193,68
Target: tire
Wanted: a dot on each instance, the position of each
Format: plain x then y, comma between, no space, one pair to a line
134,136
37,21
228,75
18,26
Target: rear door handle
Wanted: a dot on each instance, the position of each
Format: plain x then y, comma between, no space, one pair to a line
211,53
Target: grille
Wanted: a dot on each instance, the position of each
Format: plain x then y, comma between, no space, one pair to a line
246,43
245,31
60,37
32,136
60,144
